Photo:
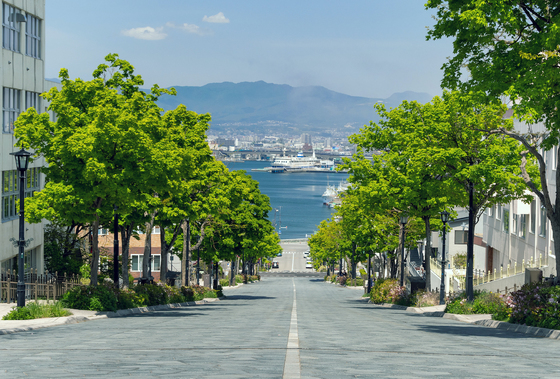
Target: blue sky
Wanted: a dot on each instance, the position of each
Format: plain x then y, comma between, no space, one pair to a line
370,48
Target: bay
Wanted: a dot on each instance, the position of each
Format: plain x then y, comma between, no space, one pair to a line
296,198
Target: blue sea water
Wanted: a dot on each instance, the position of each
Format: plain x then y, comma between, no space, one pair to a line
297,197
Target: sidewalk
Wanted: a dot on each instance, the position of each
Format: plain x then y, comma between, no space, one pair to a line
15,326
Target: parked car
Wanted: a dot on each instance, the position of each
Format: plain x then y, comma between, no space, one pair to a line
279,254
275,265
308,265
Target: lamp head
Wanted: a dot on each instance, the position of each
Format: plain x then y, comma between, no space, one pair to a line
444,216
404,218
22,159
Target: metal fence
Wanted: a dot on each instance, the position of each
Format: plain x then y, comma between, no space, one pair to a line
481,276
37,286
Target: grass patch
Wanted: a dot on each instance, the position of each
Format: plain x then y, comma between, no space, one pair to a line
33,310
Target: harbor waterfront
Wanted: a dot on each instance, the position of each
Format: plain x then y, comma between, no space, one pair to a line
296,198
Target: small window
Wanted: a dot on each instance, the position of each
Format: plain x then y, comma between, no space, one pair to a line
11,108
542,231
33,37
491,211
522,226
514,224
10,28
103,232
156,262
461,237
533,220
156,230
506,221
33,99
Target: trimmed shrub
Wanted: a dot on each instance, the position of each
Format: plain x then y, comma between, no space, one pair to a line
423,298
188,293
174,294
155,293
238,278
484,303
100,298
389,291
224,282
535,304
342,280
129,299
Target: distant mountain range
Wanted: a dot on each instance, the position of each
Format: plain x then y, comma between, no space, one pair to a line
279,108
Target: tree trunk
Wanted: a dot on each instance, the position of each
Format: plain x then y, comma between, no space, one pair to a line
428,252
126,233
147,249
163,261
185,260
232,274
94,251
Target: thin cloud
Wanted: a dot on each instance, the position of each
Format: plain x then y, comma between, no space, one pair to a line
189,28
216,19
147,33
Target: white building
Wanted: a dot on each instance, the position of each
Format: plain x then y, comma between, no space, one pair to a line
23,80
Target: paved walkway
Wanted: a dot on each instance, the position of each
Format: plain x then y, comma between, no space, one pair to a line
278,328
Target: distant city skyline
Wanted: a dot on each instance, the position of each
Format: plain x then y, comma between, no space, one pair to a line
369,48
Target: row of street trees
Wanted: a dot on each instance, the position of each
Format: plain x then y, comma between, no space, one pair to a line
460,150
112,150
430,157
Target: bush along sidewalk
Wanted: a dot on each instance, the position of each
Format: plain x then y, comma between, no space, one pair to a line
344,280
109,298
535,304
33,310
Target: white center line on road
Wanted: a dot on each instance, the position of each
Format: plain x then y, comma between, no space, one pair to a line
292,369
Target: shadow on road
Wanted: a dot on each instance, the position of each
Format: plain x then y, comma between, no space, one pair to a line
468,330
164,313
249,297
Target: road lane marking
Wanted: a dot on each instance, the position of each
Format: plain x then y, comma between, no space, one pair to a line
292,368
293,259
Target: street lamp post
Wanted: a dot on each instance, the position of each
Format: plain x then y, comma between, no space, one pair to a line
22,162
403,221
116,247
444,219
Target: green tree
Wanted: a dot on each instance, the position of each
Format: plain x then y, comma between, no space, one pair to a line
510,48
442,140
108,147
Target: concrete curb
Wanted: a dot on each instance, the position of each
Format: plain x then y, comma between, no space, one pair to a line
16,326
532,330
478,319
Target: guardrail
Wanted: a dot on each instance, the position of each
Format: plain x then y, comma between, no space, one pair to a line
481,276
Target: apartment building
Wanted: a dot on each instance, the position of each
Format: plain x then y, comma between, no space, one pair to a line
23,80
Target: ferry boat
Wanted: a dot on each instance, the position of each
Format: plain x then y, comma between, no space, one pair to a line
294,164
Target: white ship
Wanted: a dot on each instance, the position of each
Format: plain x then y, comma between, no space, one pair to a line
331,196
297,163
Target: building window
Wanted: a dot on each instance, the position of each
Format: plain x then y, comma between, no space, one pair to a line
33,100
542,231
514,224
10,28
10,191
522,226
533,216
506,221
498,212
102,232
138,260
11,107
491,211
461,237
156,230
33,37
